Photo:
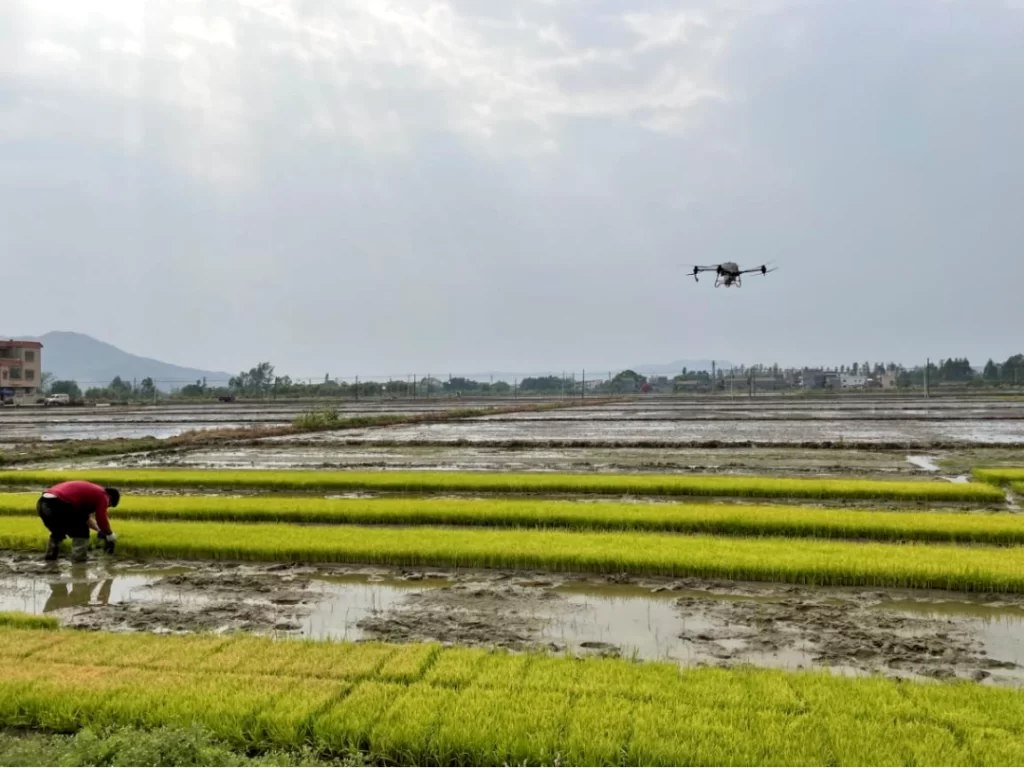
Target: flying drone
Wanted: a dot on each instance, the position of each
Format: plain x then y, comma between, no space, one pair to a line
728,273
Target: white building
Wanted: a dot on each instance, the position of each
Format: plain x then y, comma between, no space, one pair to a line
852,380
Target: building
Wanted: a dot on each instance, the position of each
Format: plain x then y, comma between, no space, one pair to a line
887,380
21,369
815,378
852,380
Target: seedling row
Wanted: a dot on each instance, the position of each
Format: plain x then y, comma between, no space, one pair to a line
722,519
505,483
804,561
425,705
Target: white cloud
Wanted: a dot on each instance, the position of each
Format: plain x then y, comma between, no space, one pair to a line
489,168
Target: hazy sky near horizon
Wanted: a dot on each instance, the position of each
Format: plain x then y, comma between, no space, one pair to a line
352,186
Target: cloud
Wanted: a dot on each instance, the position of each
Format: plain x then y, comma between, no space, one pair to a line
445,183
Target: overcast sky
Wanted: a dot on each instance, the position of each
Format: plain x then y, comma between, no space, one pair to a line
389,186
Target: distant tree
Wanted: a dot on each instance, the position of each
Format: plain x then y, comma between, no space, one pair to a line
1012,371
45,379
255,381
991,372
147,388
66,387
541,384
119,389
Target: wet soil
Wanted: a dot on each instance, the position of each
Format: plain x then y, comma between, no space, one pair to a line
922,635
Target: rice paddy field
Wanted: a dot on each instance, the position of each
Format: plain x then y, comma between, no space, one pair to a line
388,595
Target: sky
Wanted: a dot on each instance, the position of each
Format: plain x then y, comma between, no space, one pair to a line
392,186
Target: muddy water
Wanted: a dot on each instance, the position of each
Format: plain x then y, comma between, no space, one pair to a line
902,634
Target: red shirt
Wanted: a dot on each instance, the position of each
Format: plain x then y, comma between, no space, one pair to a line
85,497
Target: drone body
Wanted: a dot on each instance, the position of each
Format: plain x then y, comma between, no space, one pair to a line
728,273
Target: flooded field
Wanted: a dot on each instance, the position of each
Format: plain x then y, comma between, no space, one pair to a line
675,431
797,462
680,420
694,622
162,420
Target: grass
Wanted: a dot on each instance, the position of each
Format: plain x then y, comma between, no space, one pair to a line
126,746
804,561
485,709
722,519
539,483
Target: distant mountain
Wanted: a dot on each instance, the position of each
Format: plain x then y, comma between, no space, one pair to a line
91,363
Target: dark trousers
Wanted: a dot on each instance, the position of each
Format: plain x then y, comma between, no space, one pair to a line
62,520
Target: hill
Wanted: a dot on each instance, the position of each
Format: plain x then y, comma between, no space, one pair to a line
91,362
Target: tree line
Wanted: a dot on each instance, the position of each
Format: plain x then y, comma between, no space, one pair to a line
262,381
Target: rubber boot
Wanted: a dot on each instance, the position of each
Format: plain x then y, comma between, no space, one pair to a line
79,550
52,548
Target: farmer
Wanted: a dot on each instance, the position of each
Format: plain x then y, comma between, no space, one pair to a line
71,509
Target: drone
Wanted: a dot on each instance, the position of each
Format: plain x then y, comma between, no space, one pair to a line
728,273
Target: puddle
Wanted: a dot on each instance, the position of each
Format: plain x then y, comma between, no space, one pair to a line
921,635
924,462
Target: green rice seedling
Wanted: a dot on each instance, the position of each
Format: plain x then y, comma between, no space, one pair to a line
199,646
716,687
405,732
228,705
59,697
629,679
553,673
958,705
505,483
456,667
719,519
802,561
20,642
287,719
991,746
346,725
599,730
108,649
998,475
409,664
336,660
251,655
875,741
504,727
27,620
500,669
681,732
593,711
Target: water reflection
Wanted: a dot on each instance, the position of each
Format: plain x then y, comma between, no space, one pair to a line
80,593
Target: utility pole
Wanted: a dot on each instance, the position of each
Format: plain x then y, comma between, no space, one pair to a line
714,377
927,365
583,385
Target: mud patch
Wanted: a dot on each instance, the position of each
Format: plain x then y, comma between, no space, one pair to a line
922,635
486,613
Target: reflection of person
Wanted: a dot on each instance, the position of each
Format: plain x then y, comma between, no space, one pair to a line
80,594
70,509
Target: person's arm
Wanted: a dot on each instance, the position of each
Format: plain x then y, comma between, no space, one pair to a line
102,521
92,522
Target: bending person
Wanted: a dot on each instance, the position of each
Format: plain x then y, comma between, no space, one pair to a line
70,509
